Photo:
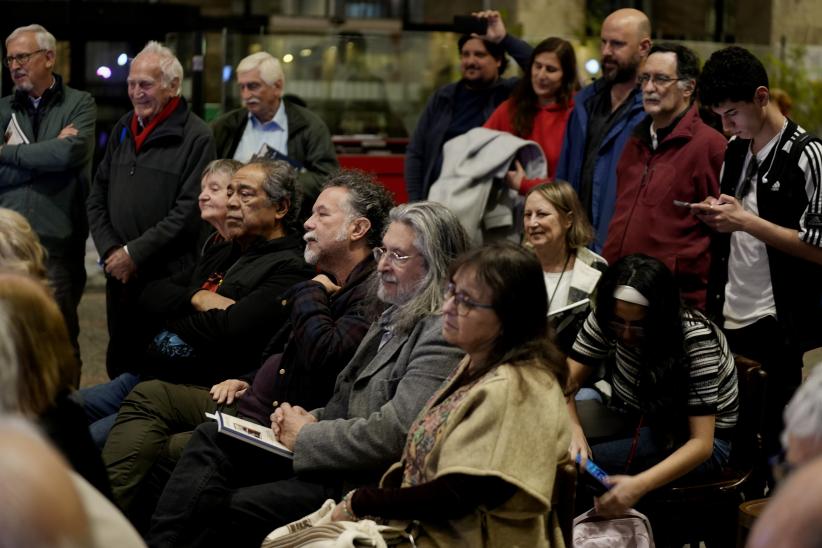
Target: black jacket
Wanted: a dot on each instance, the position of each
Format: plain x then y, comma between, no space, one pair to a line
148,200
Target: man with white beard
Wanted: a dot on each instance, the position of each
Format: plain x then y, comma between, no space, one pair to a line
359,432
327,318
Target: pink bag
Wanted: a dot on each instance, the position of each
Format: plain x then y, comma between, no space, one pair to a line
630,530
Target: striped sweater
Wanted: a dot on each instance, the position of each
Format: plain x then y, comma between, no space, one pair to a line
712,386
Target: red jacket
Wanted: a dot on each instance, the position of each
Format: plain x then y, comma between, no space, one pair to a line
685,166
548,132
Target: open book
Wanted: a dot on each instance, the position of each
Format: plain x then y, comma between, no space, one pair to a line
250,432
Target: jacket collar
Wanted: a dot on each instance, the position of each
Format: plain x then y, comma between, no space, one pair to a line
173,126
21,100
684,127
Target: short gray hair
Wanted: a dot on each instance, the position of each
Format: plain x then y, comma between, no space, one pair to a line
280,184
366,198
803,415
45,39
170,66
439,238
221,165
270,69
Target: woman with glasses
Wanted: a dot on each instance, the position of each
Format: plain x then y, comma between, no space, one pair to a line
479,462
558,230
673,378
539,107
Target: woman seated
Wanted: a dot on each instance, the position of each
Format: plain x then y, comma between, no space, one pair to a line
480,461
673,378
38,383
539,107
558,230
20,249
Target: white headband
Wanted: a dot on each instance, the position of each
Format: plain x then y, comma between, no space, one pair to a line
630,295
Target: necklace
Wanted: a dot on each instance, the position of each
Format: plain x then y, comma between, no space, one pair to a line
559,281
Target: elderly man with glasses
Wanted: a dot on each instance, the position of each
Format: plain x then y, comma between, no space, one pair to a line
671,160
362,429
45,160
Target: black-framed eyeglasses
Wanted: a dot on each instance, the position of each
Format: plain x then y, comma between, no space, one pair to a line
464,303
659,80
21,58
392,256
619,326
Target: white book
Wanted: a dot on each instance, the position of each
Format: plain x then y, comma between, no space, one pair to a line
579,304
14,135
250,432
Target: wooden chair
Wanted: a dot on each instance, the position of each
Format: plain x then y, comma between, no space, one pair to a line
690,512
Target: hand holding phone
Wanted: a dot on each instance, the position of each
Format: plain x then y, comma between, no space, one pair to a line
468,24
602,485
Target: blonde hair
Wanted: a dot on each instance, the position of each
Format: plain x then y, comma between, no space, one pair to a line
564,198
45,363
20,248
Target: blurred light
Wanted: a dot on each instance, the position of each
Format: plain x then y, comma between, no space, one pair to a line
104,72
122,59
287,58
592,66
305,52
227,73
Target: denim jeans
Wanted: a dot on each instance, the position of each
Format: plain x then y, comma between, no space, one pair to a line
101,403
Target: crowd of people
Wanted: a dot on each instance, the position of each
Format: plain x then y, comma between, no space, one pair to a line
419,370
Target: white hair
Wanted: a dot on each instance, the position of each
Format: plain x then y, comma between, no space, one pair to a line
9,367
803,415
270,69
45,39
170,66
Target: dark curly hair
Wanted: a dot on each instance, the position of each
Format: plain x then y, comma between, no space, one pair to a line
523,99
731,74
367,198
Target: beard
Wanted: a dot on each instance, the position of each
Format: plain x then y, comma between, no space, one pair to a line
619,73
311,256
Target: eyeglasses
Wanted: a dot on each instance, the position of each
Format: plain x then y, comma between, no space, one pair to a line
658,80
464,303
21,58
392,256
619,326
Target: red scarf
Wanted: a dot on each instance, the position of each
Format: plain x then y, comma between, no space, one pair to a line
163,114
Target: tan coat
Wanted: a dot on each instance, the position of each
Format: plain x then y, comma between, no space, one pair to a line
512,424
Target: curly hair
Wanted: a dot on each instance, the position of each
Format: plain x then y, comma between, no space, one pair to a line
731,74
367,198
524,100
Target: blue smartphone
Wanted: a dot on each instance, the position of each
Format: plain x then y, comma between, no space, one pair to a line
597,473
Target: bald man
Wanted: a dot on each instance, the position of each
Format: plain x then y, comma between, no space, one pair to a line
791,518
604,116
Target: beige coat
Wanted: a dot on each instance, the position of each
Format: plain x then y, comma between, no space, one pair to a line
512,424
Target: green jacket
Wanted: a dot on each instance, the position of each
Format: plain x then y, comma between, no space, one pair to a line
47,180
309,143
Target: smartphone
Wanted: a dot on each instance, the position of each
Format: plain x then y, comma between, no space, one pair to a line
468,24
594,472
680,203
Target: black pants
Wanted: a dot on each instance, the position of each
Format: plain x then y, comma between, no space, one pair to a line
130,330
225,492
764,341
67,276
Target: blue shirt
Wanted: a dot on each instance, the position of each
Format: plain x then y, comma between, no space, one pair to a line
274,133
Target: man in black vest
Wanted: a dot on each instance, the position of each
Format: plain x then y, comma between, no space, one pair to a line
766,282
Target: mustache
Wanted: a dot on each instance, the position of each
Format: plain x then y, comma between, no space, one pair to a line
310,236
389,278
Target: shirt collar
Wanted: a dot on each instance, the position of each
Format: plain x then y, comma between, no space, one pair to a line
280,121
35,101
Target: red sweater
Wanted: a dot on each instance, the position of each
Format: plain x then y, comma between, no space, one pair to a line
685,166
548,131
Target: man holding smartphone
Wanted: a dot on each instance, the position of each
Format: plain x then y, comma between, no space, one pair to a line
458,107
672,158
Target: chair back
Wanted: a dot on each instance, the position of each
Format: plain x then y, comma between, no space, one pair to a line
747,451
